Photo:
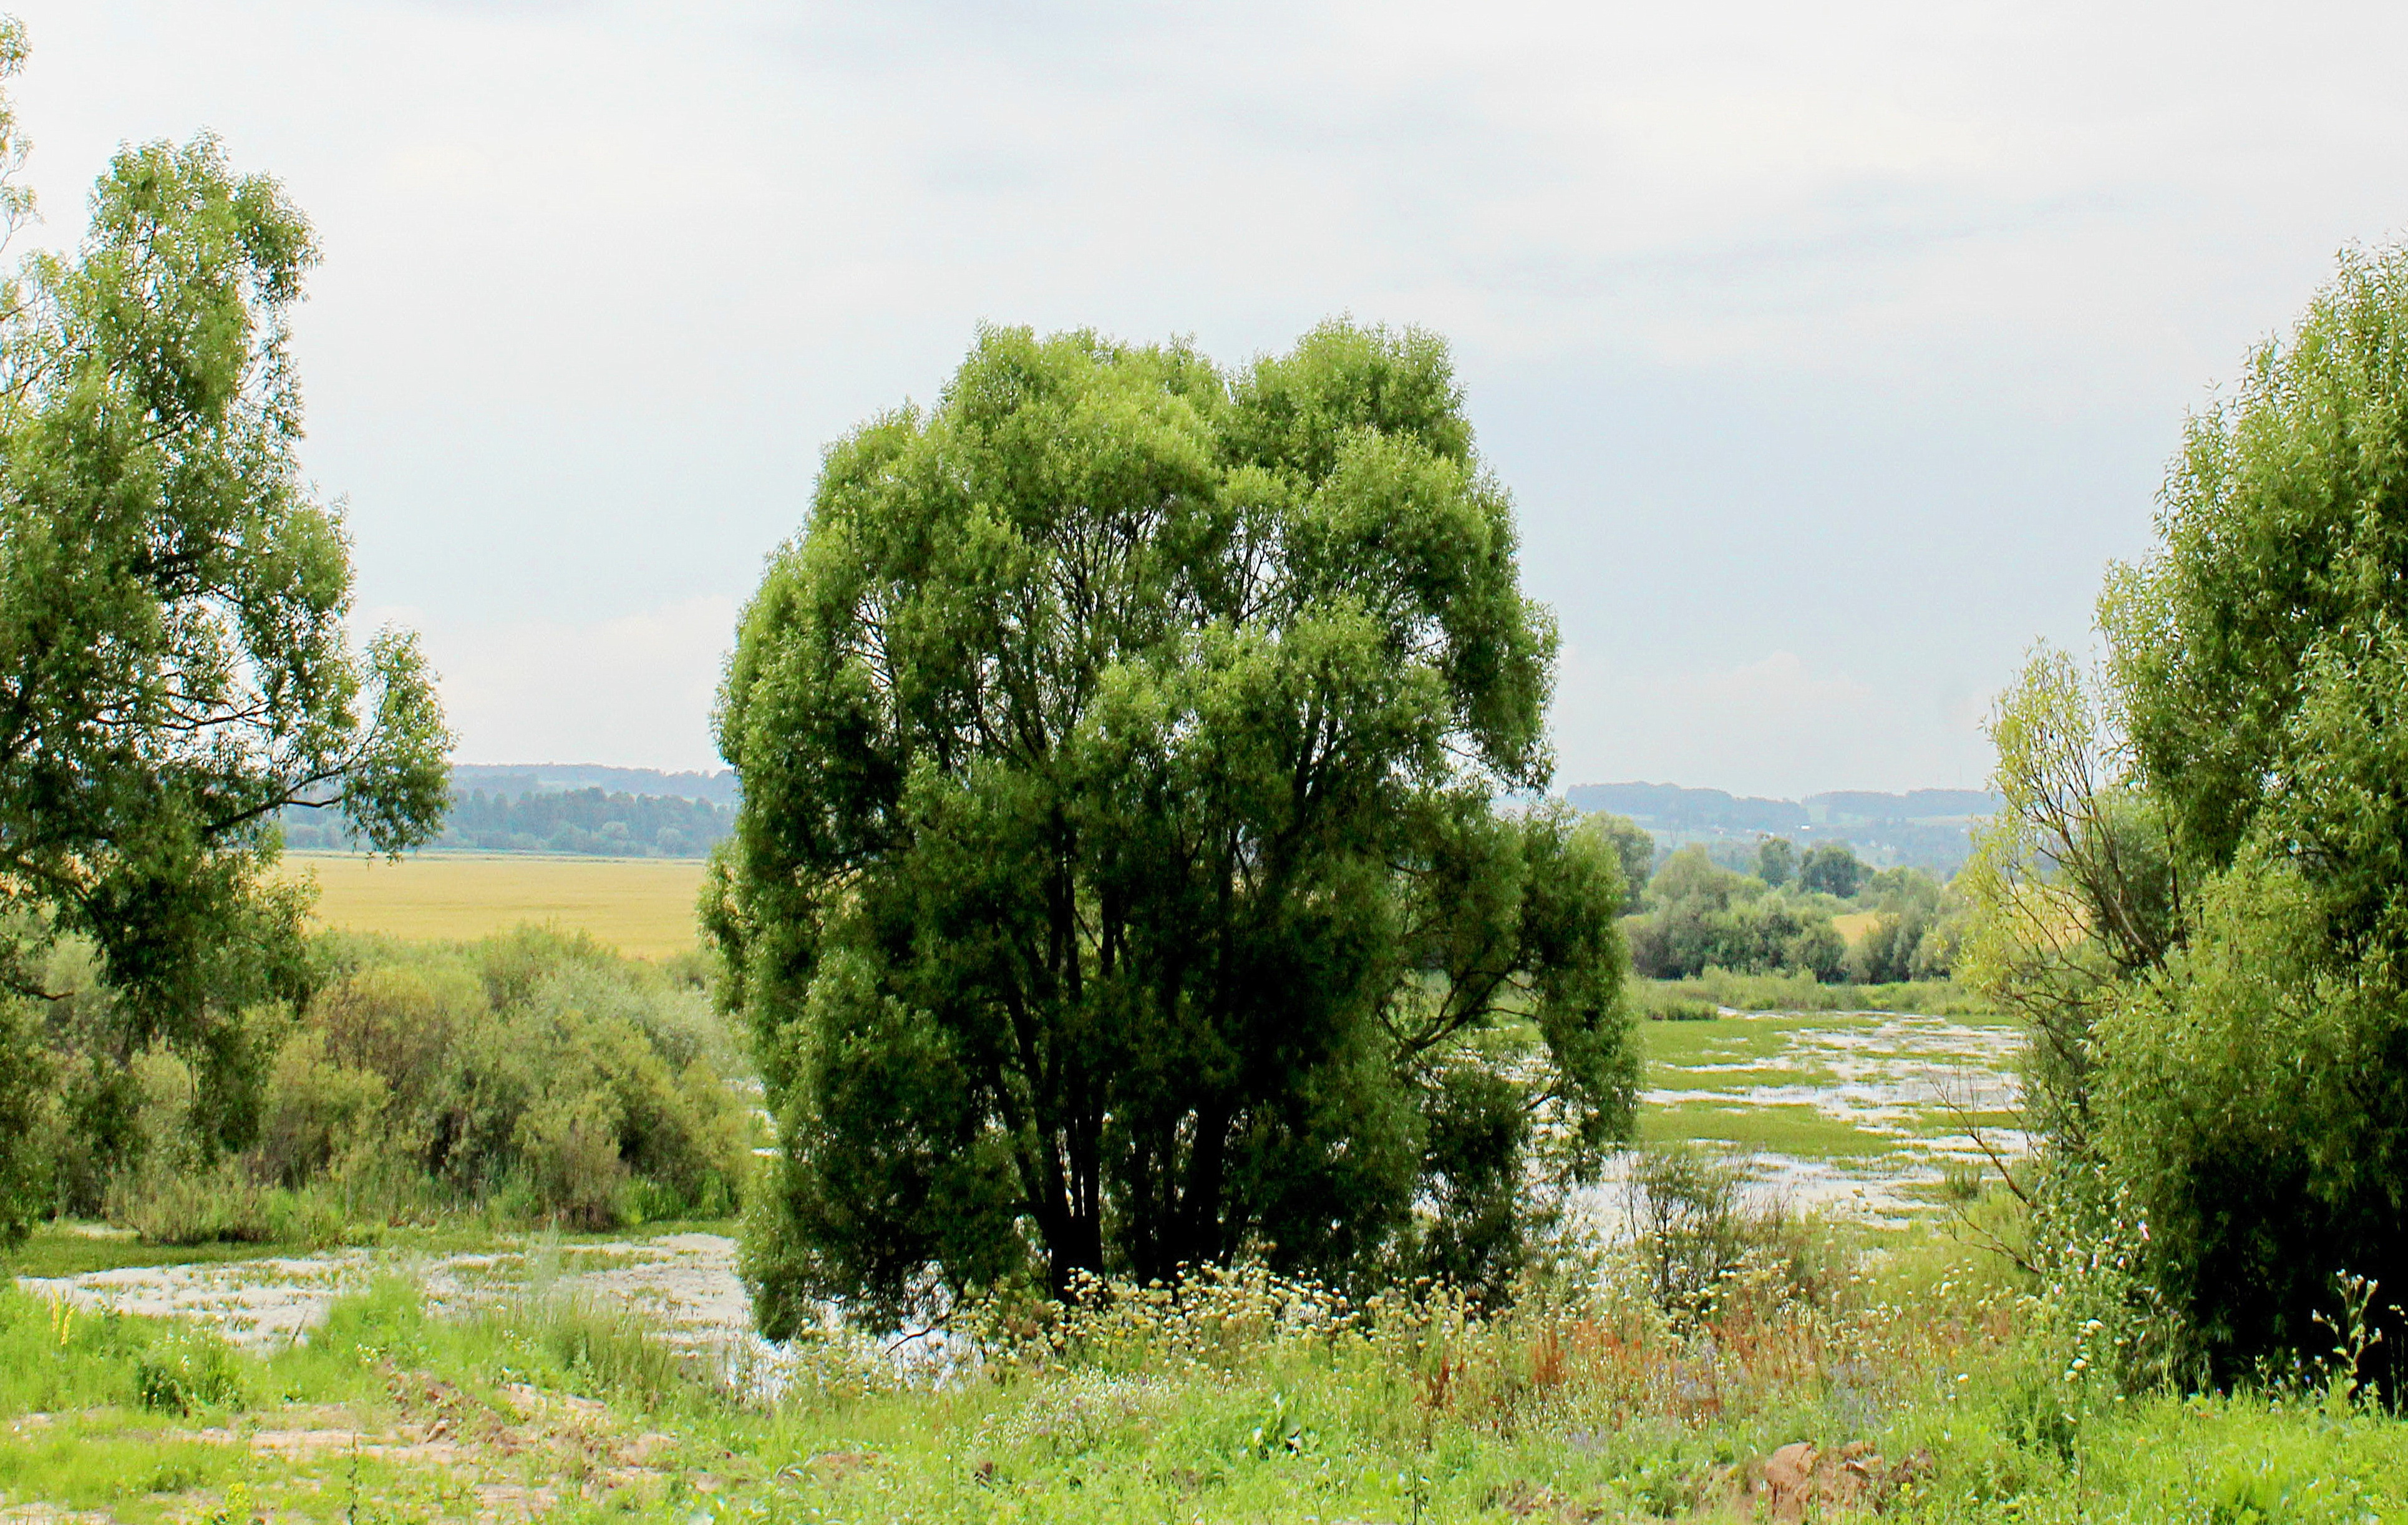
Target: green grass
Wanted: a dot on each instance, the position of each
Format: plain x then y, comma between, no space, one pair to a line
1792,1128
54,1250
1804,993
1584,1406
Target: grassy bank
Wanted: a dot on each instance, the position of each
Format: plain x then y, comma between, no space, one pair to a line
1929,1380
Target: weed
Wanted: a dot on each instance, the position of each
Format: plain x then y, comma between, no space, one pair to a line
590,1349
190,1370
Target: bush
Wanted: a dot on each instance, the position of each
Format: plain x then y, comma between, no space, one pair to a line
1686,1219
1702,1242
539,1072
317,1111
568,1154
2256,1107
170,1205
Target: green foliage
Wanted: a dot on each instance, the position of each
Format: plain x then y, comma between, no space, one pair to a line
1688,1219
1916,933
1117,872
2198,896
174,663
1716,987
1633,848
1776,860
1705,916
539,1075
1832,868
540,1067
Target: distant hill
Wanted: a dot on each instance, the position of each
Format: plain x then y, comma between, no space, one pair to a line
574,808
1930,828
585,808
514,779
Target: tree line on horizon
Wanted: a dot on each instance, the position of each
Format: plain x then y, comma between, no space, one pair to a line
586,822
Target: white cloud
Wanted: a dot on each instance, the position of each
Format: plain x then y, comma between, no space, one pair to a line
629,691
1872,319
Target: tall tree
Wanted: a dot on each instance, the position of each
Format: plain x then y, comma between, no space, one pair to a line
174,666
1776,860
1833,869
1117,873
2199,892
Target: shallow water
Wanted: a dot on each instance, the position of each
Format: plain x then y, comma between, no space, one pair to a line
686,1285
1895,1076
1909,1080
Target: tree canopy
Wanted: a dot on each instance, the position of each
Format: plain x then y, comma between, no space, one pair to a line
1119,883
2200,891
174,665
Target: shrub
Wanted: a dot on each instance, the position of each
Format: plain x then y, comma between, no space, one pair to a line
317,1111
538,1072
568,1152
1686,1220
1702,1242
168,1205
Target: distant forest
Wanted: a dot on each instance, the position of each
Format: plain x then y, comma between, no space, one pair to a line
1927,828
639,812
532,819
514,779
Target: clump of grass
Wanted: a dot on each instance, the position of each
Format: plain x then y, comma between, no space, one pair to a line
1656,1000
191,1369
591,1349
55,1355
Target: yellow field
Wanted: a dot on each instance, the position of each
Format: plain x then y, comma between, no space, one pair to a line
639,905
1855,925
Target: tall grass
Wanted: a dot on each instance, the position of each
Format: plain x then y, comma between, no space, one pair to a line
1718,988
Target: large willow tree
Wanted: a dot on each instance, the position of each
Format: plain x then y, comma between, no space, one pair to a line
1119,883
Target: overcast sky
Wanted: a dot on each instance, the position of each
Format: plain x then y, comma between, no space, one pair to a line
1829,352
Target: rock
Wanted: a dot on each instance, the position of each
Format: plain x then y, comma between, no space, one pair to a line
1802,1481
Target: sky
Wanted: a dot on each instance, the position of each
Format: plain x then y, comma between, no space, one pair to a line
1830,353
